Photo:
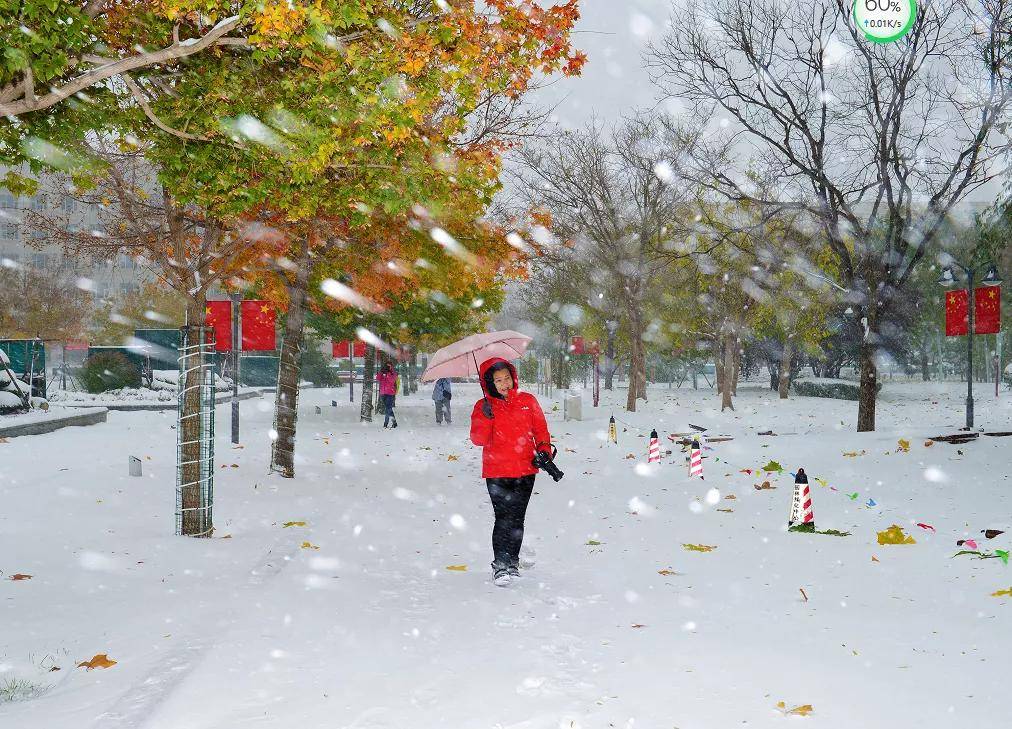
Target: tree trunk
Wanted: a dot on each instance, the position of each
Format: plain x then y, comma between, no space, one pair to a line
609,361
378,408
736,360
925,373
728,372
286,401
413,374
637,360
718,362
368,376
867,393
785,368
194,510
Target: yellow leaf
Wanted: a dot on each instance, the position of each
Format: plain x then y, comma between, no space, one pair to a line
904,445
1002,593
667,572
307,545
457,567
99,661
895,535
293,523
854,454
803,710
452,458
699,547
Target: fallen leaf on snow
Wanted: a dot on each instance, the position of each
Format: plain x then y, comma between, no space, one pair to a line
773,467
457,567
592,543
731,497
307,545
854,454
904,446
20,576
726,511
99,661
991,533
765,486
293,523
928,443
698,547
874,558
895,535
1002,593
453,458
927,527
803,710
667,573
638,625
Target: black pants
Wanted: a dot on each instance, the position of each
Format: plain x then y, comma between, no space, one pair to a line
510,497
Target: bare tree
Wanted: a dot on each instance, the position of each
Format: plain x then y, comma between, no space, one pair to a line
609,198
46,304
876,142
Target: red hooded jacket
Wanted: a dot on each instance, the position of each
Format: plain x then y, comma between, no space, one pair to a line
508,439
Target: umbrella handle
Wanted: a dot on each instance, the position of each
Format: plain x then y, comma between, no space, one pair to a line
484,395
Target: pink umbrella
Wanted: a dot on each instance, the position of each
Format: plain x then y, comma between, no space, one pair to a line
462,358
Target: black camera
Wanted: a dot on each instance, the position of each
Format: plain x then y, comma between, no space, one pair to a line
547,464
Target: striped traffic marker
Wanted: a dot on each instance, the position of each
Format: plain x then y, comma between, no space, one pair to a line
695,459
654,449
802,513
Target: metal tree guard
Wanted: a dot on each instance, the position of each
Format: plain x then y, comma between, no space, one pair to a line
195,433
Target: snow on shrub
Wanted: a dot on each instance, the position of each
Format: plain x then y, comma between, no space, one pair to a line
836,389
109,371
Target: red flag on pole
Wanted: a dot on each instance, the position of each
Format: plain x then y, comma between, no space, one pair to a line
987,310
258,326
956,313
218,316
577,346
340,349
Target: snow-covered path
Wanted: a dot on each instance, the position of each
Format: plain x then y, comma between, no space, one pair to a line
354,621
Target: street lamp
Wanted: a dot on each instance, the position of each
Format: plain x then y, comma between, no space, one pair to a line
948,280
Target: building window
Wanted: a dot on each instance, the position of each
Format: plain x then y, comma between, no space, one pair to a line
40,261
69,205
39,202
8,201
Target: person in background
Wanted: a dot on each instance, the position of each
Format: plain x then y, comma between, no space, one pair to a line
387,379
441,395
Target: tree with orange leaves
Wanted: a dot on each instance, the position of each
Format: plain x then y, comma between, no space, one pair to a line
352,136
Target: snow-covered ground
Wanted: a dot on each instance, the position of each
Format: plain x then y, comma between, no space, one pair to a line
354,620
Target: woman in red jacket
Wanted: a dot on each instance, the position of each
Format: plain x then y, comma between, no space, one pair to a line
509,426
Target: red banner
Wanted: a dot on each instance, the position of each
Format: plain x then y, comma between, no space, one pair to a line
340,349
987,310
258,326
218,315
577,346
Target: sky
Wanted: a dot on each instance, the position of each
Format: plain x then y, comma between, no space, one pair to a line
615,82
614,35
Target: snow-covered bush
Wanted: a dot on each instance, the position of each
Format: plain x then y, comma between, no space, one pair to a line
109,371
836,389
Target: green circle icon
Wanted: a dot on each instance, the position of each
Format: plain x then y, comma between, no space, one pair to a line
883,21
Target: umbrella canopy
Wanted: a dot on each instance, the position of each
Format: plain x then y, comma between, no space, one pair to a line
462,358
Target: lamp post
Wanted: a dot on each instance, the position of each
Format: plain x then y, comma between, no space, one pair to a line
948,280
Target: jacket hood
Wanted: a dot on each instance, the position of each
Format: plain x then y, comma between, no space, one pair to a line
486,376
